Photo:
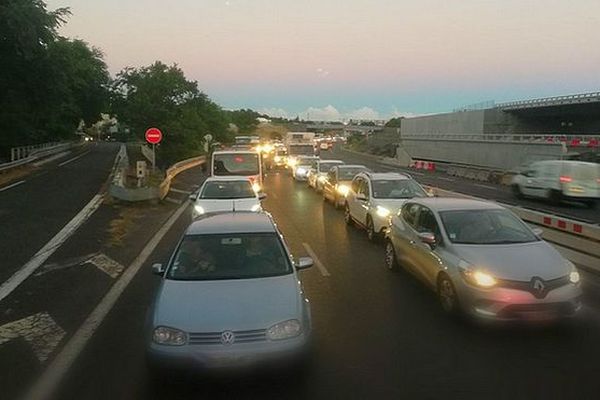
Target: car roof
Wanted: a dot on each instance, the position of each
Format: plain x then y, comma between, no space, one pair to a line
227,178
232,222
351,166
376,176
454,203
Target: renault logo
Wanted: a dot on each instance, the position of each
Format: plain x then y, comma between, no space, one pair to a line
538,287
227,338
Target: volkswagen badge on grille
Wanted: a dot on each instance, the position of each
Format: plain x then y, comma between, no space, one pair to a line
227,337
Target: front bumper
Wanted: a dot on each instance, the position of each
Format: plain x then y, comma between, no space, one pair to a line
238,356
508,304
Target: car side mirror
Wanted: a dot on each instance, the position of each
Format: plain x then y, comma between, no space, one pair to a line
262,195
361,197
193,196
431,192
158,269
538,232
428,238
304,263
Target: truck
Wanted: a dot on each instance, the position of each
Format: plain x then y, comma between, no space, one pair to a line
299,144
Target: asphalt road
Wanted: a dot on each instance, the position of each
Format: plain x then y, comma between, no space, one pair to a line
33,211
484,190
378,334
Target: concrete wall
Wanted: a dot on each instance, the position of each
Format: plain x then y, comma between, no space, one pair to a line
493,155
471,122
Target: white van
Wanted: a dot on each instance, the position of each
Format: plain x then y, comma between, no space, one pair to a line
238,163
557,180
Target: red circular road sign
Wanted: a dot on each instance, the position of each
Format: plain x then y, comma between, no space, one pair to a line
153,135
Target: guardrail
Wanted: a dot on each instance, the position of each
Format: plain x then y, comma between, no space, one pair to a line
176,169
21,152
36,154
577,241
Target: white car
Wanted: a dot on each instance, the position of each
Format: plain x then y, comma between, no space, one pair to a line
557,180
226,194
374,197
318,175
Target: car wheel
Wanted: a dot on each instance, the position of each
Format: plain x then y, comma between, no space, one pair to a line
556,197
371,234
347,216
516,189
391,261
447,294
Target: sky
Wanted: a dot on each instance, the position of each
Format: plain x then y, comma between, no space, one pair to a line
369,59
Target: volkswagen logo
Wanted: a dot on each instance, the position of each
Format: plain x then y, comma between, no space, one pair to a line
227,338
538,287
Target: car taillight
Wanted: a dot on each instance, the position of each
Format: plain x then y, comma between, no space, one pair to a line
565,179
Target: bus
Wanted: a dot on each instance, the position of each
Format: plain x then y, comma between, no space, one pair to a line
238,163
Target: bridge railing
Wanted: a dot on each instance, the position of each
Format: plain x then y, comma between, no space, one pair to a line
556,100
592,140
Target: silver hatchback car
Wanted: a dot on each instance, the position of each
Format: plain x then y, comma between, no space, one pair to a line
482,259
230,298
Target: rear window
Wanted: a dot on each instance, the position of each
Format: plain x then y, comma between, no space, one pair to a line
227,190
397,189
236,164
229,256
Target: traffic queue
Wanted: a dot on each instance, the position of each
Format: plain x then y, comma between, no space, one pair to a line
230,296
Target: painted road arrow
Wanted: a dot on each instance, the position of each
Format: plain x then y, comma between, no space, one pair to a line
101,261
41,332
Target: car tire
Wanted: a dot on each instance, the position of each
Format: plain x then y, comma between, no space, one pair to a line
391,261
516,189
447,294
371,234
348,216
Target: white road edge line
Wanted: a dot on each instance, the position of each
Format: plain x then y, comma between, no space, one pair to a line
49,248
446,179
54,373
484,186
12,186
73,159
318,262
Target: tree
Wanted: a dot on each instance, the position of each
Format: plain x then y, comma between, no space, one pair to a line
160,95
244,119
47,83
394,122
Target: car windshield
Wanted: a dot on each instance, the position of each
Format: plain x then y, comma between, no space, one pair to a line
229,256
236,164
227,190
346,174
485,227
397,189
326,166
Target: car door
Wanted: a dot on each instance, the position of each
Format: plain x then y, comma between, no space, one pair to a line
361,206
532,185
329,185
403,234
351,197
427,262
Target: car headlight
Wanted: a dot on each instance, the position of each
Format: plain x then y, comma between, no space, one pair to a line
199,209
478,278
285,330
382,212
343,190
292,162
301,171
322,178
574,277
169,336
256,187
255,208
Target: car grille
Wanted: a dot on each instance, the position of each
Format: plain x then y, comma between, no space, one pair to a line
556,309
205,338
527,286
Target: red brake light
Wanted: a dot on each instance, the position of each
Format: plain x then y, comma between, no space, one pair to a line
565,179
